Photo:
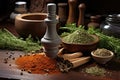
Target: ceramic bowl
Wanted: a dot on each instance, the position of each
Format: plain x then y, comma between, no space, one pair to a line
102,59
81,47
31,23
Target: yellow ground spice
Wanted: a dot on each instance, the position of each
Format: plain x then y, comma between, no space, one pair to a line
37,64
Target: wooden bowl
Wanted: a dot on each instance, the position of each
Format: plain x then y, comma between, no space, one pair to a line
81,47
31,23
102,59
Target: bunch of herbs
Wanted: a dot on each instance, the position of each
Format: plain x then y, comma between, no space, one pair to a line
107,42
9,41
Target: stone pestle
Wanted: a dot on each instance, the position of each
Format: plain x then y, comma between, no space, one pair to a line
51,39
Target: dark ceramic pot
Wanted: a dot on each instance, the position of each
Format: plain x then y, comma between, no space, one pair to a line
111,26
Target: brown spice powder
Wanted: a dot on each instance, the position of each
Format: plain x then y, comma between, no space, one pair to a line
37,64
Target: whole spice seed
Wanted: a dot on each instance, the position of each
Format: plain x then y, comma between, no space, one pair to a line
9,64
21,73
10,56
13,58
38,64
6,52
6,60
20,56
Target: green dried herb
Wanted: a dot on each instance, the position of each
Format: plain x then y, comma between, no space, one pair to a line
102,52
78,37
97,71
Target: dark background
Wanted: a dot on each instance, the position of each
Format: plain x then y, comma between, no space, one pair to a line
99,6
92,6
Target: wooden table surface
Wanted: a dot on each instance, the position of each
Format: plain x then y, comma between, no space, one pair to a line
9,70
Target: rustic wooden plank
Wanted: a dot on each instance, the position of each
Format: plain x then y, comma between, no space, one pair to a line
12,72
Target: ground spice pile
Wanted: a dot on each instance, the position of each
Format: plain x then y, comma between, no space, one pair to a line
102,52
37,64
78,37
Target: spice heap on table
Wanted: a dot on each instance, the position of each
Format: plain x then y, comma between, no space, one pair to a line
37,64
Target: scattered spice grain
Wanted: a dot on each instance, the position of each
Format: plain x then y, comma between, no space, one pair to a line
20,56
21,73
6,52
10,56
37,64
6,60
9,64
95,70
13,58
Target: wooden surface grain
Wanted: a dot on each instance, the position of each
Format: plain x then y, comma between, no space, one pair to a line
9,70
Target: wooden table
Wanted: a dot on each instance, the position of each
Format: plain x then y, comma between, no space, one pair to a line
10,71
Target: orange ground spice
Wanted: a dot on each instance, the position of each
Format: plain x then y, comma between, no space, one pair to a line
37,64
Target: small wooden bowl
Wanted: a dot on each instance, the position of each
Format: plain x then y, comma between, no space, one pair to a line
81,47
102,59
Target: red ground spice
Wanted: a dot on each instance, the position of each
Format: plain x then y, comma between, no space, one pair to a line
37,64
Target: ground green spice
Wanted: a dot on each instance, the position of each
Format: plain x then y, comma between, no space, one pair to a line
78,37
97,71
102,52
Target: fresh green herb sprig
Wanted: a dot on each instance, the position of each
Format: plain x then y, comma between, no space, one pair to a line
69,28
9,41
108,42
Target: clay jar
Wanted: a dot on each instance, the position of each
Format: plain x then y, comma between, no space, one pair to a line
31,23
20,8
